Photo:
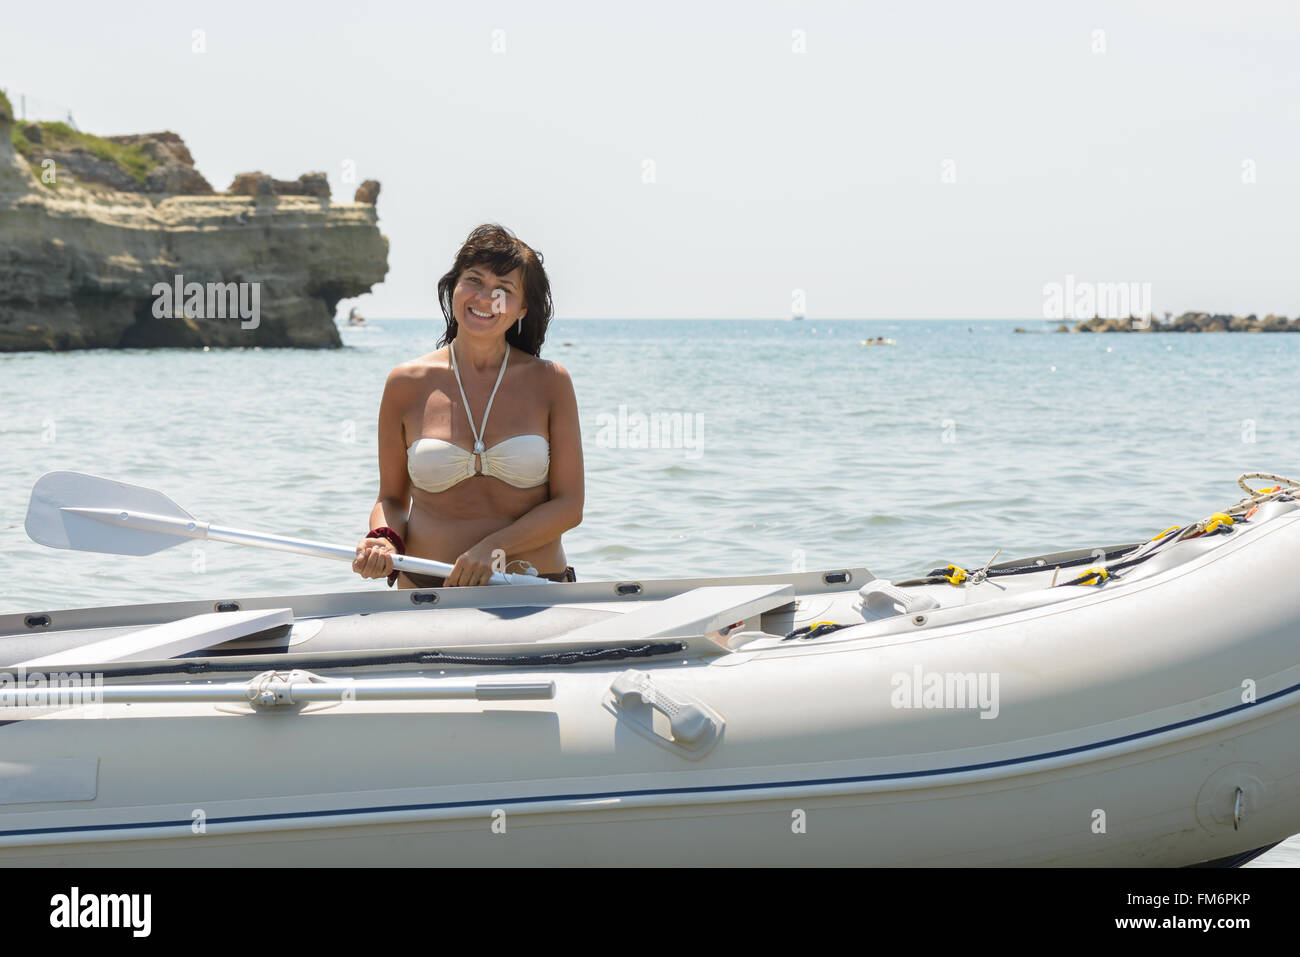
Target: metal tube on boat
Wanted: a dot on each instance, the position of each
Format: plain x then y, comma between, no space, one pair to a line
396,689
278,692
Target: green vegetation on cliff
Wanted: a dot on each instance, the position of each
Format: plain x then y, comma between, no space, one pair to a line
61,138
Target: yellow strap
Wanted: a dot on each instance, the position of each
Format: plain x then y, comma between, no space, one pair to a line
957,576
1095,576
1217,519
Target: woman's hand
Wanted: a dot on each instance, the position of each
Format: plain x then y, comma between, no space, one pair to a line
473,567
374,558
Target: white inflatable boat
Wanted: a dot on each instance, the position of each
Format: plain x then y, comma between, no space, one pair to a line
1126,705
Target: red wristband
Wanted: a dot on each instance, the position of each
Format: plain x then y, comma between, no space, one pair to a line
383,531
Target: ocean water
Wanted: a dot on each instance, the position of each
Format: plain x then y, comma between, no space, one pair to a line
712,447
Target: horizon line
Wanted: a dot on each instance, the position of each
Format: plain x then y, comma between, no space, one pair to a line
752,319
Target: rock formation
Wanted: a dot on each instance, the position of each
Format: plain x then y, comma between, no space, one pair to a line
260,184
175,172
91,260
367,192
1187,322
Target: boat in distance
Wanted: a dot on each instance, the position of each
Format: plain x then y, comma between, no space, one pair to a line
1130,705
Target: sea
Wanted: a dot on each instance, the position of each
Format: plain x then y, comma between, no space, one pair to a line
712,447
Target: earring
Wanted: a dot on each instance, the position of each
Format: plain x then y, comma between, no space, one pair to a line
519,326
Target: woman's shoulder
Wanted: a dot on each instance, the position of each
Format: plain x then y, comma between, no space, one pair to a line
548,374
543,368
420,368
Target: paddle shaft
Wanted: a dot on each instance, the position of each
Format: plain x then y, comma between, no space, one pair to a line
279,689
192,528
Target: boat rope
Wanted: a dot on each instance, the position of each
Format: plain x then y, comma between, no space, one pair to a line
1224,521
817,629
573,657
1257,497
427,656
1110,561
1099,574
939,576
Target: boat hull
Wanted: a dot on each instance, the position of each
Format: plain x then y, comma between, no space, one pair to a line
1153,721
1160,818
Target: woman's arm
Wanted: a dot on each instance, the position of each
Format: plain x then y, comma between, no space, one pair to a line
561,512
393,505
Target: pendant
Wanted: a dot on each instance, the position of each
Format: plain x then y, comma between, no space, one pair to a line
478,448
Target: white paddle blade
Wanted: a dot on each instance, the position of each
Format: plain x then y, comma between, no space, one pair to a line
49,522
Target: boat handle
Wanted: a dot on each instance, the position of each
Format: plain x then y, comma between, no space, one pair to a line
879,597
692,726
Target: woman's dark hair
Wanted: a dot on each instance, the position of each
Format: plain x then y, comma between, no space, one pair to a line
496,247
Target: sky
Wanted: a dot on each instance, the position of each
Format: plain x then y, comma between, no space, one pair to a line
709,160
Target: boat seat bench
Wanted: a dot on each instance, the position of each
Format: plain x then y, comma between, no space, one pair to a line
171,639
699,611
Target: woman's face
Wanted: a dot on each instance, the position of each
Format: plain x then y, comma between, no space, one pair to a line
487,304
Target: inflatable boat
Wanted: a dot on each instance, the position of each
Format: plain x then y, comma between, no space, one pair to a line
1135,704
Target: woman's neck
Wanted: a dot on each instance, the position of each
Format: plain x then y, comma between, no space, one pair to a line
482,353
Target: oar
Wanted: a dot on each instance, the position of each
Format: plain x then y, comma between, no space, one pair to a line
273,688
93,514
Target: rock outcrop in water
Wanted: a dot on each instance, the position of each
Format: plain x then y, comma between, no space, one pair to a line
91,260
1187,322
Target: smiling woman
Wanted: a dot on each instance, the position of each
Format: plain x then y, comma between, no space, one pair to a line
457,483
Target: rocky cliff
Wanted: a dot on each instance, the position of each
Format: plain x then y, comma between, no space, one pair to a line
158,259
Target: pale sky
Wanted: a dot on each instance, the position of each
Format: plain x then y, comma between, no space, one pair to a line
1162,149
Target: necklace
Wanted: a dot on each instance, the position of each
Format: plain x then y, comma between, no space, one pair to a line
482,428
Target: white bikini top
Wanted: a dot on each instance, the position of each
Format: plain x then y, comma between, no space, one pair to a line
523,461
